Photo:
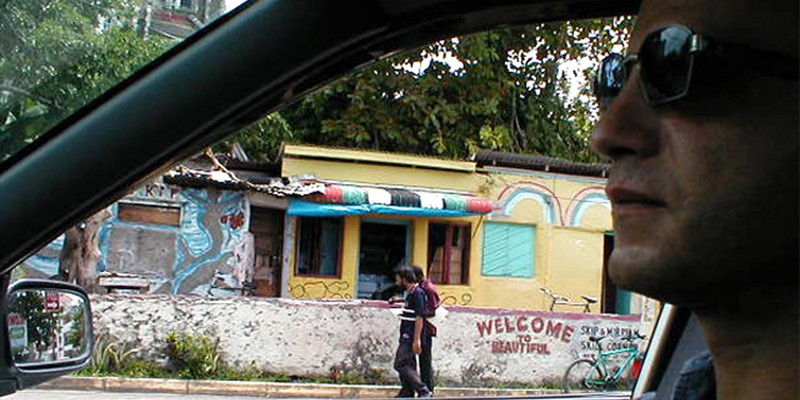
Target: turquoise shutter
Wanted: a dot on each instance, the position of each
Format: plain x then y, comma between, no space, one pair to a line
508,250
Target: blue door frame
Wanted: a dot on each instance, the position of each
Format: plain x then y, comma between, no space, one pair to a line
408,247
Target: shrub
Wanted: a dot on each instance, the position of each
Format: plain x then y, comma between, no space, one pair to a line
109,356
193,356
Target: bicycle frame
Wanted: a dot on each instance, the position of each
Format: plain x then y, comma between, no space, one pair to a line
603,365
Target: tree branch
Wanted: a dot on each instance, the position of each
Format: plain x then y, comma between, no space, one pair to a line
14,89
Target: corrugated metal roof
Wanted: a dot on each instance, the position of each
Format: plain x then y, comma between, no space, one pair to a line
376,157
539,163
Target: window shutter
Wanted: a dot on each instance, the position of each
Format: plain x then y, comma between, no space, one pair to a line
508,250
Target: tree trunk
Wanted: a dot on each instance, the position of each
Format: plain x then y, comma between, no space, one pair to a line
81,252
71,253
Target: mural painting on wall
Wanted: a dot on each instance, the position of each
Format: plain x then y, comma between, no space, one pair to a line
212,237
321,289
43,264
554,213
212,229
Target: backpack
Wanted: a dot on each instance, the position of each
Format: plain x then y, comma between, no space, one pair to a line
432,293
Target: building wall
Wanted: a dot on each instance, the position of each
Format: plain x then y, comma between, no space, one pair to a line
378,174
475,346
571,215
175,259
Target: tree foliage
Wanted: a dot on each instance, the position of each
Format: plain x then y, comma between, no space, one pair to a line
261,141
40,322
505,89
58,55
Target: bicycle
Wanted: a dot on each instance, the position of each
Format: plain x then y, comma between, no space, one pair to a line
597,372
564,301
224,285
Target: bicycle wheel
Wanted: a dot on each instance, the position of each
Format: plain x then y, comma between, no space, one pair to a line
583,375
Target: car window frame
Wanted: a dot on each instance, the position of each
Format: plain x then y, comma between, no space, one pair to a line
219,80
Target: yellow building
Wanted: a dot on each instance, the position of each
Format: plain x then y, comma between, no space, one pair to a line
490,232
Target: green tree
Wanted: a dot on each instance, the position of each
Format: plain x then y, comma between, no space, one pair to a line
30,305
508,92
58,55
55,57
261,141
76,337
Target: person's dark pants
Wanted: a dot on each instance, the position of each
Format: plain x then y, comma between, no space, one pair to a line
405,363
426,362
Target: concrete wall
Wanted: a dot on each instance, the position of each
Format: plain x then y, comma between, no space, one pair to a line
311,337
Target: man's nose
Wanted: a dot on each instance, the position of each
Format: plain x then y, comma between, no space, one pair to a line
628,126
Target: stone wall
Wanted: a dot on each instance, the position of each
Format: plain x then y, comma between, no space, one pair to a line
476,346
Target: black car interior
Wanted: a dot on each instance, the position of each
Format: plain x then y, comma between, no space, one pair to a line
238,69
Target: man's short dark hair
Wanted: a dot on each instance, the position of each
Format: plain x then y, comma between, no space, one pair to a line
418,272
406,273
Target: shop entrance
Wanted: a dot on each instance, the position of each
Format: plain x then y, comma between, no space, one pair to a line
384,246
266,225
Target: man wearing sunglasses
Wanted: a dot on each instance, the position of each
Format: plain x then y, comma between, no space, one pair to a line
700,122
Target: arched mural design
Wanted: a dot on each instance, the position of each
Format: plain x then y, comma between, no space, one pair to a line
513,194
583,201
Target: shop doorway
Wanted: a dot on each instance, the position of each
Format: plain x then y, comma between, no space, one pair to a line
385,244
266,225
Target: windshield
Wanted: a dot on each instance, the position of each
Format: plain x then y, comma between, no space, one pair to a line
465,160
57,56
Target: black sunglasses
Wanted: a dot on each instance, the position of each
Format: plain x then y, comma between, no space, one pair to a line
667,60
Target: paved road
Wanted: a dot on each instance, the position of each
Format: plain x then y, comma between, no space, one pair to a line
33,394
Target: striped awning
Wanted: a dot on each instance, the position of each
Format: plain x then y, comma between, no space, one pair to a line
356,200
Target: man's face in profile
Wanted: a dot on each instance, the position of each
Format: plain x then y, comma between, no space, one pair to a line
705,189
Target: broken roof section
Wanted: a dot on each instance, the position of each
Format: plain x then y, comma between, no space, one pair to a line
233,174
230,174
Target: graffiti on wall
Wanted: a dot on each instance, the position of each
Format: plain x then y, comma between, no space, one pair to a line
452,299
541,333
523,333
156,191
321,289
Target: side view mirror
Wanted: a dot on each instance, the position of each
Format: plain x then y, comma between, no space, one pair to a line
49,325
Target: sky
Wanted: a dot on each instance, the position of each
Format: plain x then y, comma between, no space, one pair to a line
231,4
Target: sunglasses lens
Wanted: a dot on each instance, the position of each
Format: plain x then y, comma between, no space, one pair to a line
666,63
610,78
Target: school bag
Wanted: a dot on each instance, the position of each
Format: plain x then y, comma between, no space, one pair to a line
432,293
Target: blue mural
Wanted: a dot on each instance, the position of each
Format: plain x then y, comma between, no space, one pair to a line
213,226
43,264
212,236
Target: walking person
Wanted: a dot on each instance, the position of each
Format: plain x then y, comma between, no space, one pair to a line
429,330
412,321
